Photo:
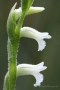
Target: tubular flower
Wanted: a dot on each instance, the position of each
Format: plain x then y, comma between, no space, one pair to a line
31,10
28,69
34,34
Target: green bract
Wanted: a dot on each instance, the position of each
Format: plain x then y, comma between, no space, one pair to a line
11,23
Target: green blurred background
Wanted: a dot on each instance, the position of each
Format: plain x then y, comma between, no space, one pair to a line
46,21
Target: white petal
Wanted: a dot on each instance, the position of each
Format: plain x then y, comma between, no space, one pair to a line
45,35
29,32
32,68
26,69
39,78
41,44
35,10
33,33
40,67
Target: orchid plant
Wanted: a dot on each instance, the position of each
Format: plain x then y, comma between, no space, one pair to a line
15,31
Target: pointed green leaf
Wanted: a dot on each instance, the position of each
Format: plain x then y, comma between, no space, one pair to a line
11,23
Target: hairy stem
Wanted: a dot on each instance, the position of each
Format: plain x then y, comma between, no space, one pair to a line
12,47
12,54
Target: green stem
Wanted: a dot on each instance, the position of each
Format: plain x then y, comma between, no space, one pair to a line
10,77
19,25
12,54
12,46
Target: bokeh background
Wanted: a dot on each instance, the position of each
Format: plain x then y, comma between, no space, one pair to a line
46,21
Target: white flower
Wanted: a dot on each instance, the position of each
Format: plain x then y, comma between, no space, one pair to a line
30,11
28,69
34,34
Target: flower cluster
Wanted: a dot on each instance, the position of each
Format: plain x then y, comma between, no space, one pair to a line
28,69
